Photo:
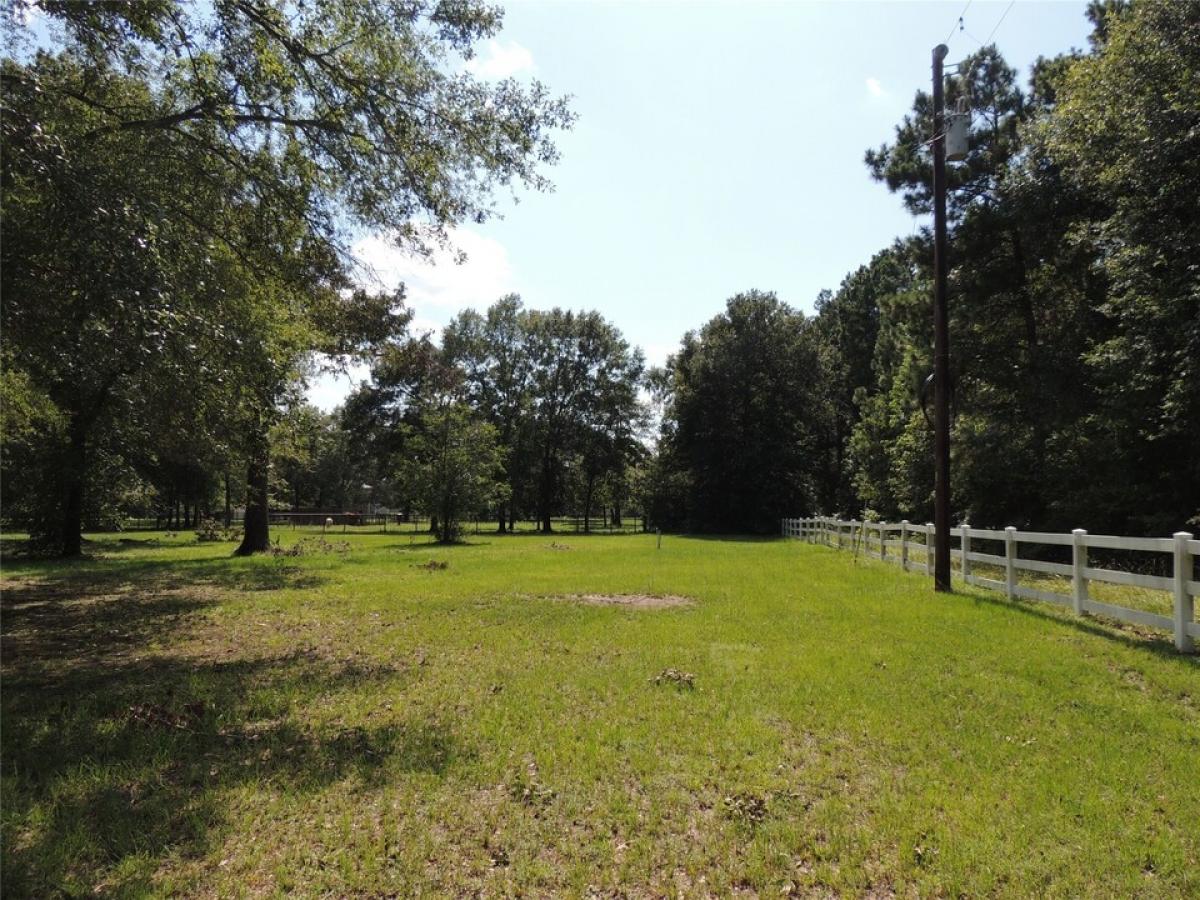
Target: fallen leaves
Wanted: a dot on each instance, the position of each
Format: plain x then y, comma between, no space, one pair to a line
153,716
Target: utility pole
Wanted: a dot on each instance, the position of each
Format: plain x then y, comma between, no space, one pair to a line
941,336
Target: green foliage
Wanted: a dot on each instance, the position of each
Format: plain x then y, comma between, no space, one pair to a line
560,389
453,465
1074,296
179,186
1124,132
212,531
745,420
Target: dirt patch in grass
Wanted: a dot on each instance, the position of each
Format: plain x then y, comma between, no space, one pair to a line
638,601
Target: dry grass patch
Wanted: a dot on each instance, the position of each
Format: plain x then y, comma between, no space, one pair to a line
637,601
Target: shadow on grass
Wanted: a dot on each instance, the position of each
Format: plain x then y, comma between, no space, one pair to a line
423,544
40,579
121,751
1153,641
735,538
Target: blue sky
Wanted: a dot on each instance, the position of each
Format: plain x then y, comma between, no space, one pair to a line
719,148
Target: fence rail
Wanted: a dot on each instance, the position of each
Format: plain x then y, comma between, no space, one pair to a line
1181,550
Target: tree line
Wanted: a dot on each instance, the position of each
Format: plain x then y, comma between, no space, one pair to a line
180,185
1074,318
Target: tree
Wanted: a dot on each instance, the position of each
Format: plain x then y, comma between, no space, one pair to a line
1126,133
1073,296
282,127
492,351
453,464
105,301
1019,305
744,419
584,378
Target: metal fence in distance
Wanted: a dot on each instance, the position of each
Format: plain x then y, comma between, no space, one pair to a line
907,544
366,523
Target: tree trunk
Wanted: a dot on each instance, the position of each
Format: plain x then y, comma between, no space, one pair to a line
256,536
546,493
70,536
587,504
501,529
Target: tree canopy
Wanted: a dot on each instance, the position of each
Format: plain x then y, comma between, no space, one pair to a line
180,182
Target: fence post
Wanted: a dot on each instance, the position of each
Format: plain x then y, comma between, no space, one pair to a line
1010,561
1184,602
882,542
904,544
929,548
966,552
1078,564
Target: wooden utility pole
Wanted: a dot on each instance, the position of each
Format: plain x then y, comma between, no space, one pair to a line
941,336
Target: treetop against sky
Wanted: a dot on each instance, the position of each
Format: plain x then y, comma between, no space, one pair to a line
719,147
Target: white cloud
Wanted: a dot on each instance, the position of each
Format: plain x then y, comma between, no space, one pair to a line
875,88
424,325
330,389
27,12
500,59
439,282
436,288
657,352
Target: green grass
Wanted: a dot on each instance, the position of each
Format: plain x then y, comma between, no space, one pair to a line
373,728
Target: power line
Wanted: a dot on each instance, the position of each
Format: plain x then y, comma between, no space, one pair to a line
1001,19
959,23
965,78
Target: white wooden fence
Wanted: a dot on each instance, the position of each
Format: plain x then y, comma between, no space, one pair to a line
876,539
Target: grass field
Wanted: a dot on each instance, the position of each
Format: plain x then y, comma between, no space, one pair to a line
363,724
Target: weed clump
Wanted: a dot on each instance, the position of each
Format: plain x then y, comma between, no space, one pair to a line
210,530
433,565
312,546
745,807
675,677
527,788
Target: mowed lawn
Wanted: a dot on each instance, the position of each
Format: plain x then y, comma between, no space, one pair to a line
176,721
